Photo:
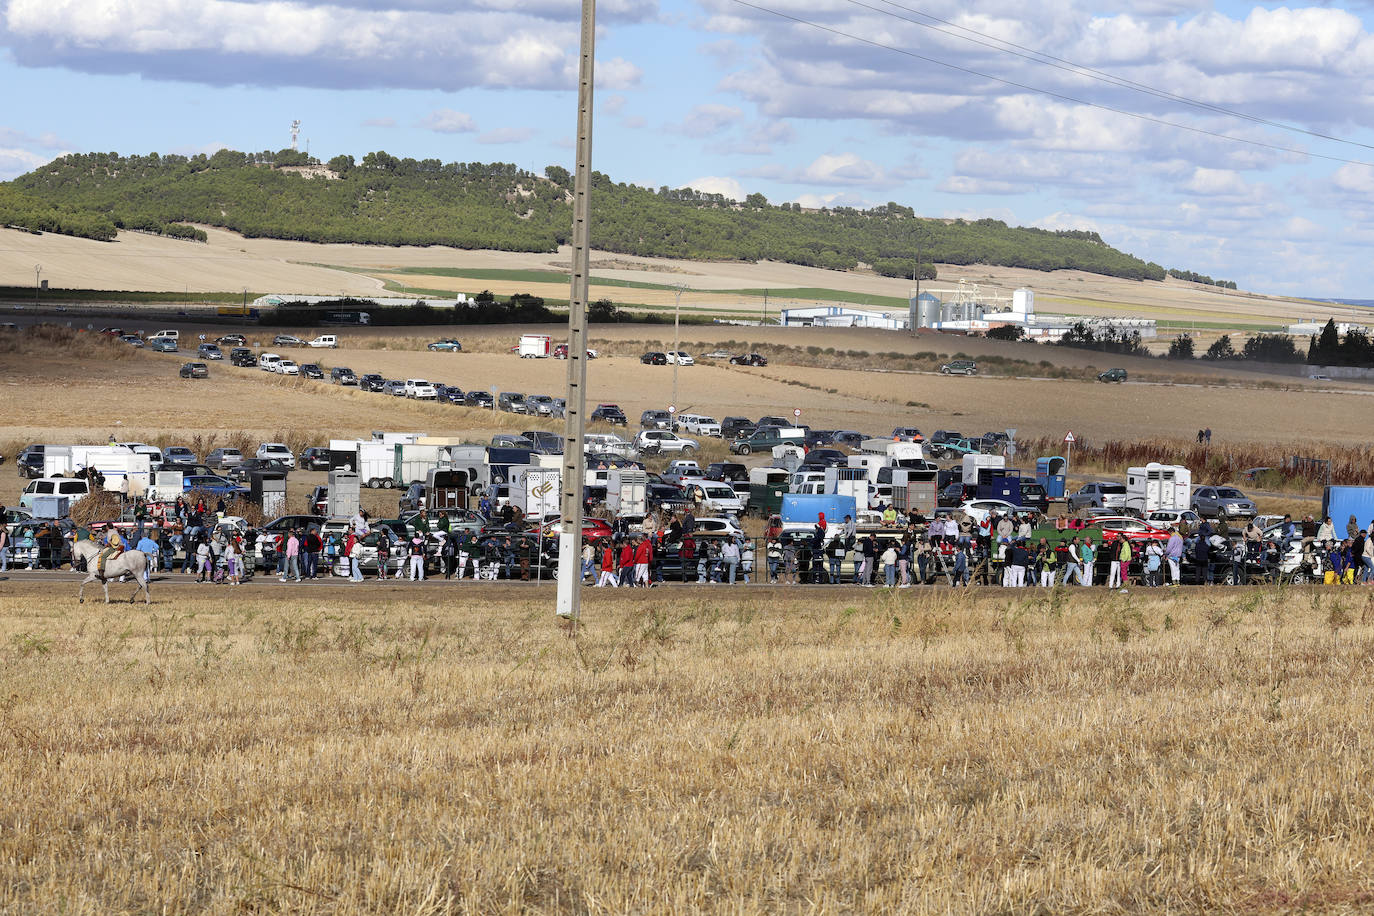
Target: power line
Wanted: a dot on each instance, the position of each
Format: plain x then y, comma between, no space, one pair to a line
1050,92
1059,63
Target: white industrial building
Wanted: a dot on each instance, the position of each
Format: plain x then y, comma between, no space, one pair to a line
967,310
1313,328
842,316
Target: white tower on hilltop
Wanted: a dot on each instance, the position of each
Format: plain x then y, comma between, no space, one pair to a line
295,132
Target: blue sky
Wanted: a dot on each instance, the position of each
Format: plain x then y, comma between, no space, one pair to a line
731,97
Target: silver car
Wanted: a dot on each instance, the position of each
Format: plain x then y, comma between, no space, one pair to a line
1214,502
1099,496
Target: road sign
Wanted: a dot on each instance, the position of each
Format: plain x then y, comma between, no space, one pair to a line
796,411
1069,438
672,408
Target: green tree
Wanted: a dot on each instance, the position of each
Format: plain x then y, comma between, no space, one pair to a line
1221,348
1006,332
1181,347
1325,347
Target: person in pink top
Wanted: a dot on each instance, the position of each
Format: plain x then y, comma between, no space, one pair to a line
293,558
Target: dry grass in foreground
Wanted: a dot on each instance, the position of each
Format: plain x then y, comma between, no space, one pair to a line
755,751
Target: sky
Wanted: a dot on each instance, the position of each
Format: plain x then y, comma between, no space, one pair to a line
1230,139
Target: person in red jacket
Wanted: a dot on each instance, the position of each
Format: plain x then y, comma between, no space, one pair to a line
607,565
644,555
627,563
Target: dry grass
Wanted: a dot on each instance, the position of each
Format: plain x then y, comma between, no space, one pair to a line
395,750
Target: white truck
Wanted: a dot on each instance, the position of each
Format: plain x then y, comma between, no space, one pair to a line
325,341
420,389
1158,486
535,346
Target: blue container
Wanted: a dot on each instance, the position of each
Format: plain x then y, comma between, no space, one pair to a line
1050,473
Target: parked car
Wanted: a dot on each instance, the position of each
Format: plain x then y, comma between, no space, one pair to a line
663,440
907,434
656,419
231,340
371,382
287,340
195,370
681,358
244,471
277,450
132,340
720,354
448,394
511,402
1033,496
209,351
1112,375
654,359
163,345
609,413
287,367
178,454
1172,518
539,404
1214,502
342,375
448,344
979,509
478,398
749,359
242,357
222,458
315,458
1099,496
420,389
959,367
312,370
730,426
394,387
215,485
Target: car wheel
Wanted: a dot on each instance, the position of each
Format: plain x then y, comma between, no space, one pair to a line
373,483
687,450
745,450
1300,578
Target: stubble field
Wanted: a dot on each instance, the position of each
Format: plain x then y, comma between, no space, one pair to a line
456,750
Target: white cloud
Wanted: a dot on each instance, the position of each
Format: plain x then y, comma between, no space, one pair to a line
1355,179
963,184
506,135
1217,183
714,184
617,73
15,162
845,168
708,120
344,44
836,199
448,121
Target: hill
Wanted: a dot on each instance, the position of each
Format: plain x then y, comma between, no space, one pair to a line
383,200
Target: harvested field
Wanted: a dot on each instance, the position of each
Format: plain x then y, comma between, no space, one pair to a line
387,749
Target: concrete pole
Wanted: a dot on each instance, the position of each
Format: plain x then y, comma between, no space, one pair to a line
574,457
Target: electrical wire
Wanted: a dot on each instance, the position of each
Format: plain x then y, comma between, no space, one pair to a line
1059,63
1050,92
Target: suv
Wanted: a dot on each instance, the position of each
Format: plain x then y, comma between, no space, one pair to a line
478,398
1099,496
371,382
243,357
749,359
30,462
609,413
959,367
195,370
1214,502
656,419
767,438
541,404
907,434
726,470
511,402
1113,375
278,451
209,351
315,458
420,389
287,340
654,359
342,375
665,441
731,427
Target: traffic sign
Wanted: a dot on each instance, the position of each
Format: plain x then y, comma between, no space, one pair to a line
796,411
672,408
1069,438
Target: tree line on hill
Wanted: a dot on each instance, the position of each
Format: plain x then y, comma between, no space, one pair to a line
386,200
1329,348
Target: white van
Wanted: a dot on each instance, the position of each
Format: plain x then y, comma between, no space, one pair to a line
328,341
166,334
269,362
73,487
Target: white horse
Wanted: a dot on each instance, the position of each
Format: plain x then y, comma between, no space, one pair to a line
129,563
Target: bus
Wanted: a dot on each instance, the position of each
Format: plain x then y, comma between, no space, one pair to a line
346,318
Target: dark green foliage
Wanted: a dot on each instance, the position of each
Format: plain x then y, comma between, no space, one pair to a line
1109,340
605,310
520,308
1329,349
1193,277
1006,332
385,200
1181,347
1221,349
1271,348
26,211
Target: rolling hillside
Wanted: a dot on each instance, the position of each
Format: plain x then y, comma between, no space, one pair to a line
383,200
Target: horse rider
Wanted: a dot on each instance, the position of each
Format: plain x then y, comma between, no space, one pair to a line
114,546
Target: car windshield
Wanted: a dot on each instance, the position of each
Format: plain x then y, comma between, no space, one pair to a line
1229,493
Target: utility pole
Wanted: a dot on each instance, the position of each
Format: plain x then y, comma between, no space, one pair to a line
677,349
37,271
569,604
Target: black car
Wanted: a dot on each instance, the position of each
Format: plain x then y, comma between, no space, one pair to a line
825,458
315,458
312,370
749,359
244,469
449,394
665,495
30,462
342,375
242,356
609,413
475,398
371,382
726,470
730,426
1033,496
195,370
654,359
849,438
231,340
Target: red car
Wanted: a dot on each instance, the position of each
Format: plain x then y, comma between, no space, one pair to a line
593,529
1133,529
